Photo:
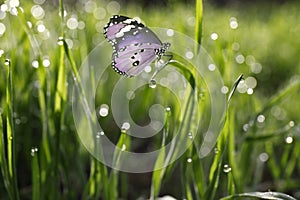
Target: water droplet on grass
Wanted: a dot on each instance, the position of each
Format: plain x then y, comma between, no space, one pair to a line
7,62
289,139
216,150
226,168
214,36
125,126
261,118
189,160
263,157
35,64
152,83
103,112
123,147
291,123
60,41
190,135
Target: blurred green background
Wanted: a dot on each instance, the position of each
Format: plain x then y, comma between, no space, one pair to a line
259,39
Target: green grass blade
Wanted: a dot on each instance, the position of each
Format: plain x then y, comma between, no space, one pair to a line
10,134
36,181
261,195
198,25
122,145
157,175
3,161
233,88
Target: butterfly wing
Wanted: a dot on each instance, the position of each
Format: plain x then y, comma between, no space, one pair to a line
122,31
134,45
132,59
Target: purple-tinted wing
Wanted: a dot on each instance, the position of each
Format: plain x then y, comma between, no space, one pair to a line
122,31
132,59
134,45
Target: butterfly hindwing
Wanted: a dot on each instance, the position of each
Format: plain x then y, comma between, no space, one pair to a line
131,60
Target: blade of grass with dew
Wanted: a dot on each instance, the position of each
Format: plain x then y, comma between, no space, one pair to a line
186,174
122,144
261,195
233,176
77,80
247,148
3,161
46,158
61,89
198,25
216,166
222,142
157,175
36,181
10,134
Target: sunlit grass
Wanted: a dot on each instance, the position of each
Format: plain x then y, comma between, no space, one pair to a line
258,147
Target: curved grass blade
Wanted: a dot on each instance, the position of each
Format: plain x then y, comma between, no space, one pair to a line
261,195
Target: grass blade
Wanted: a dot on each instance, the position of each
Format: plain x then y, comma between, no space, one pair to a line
36,181
261,195
157,175
198,25
10,134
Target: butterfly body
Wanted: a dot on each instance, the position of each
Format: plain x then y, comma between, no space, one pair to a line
134,45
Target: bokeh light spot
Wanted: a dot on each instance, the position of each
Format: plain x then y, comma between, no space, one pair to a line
113,7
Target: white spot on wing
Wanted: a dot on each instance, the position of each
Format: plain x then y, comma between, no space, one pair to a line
124,30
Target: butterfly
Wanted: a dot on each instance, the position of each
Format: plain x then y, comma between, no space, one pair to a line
134,45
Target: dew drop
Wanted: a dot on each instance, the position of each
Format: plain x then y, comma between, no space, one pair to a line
189,55
33,151
103,112
190,135
152,83
291,123
246,127
46,62
60,41
233,23
211,67
214,36
1,52
263,157
123,147
35,64
125,126
7,62
261,118
168,109
226,168
170,32
250,91
224,89
216,150
189,160
289,140
10,138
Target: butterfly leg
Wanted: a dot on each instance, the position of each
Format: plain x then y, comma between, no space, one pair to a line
160,64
